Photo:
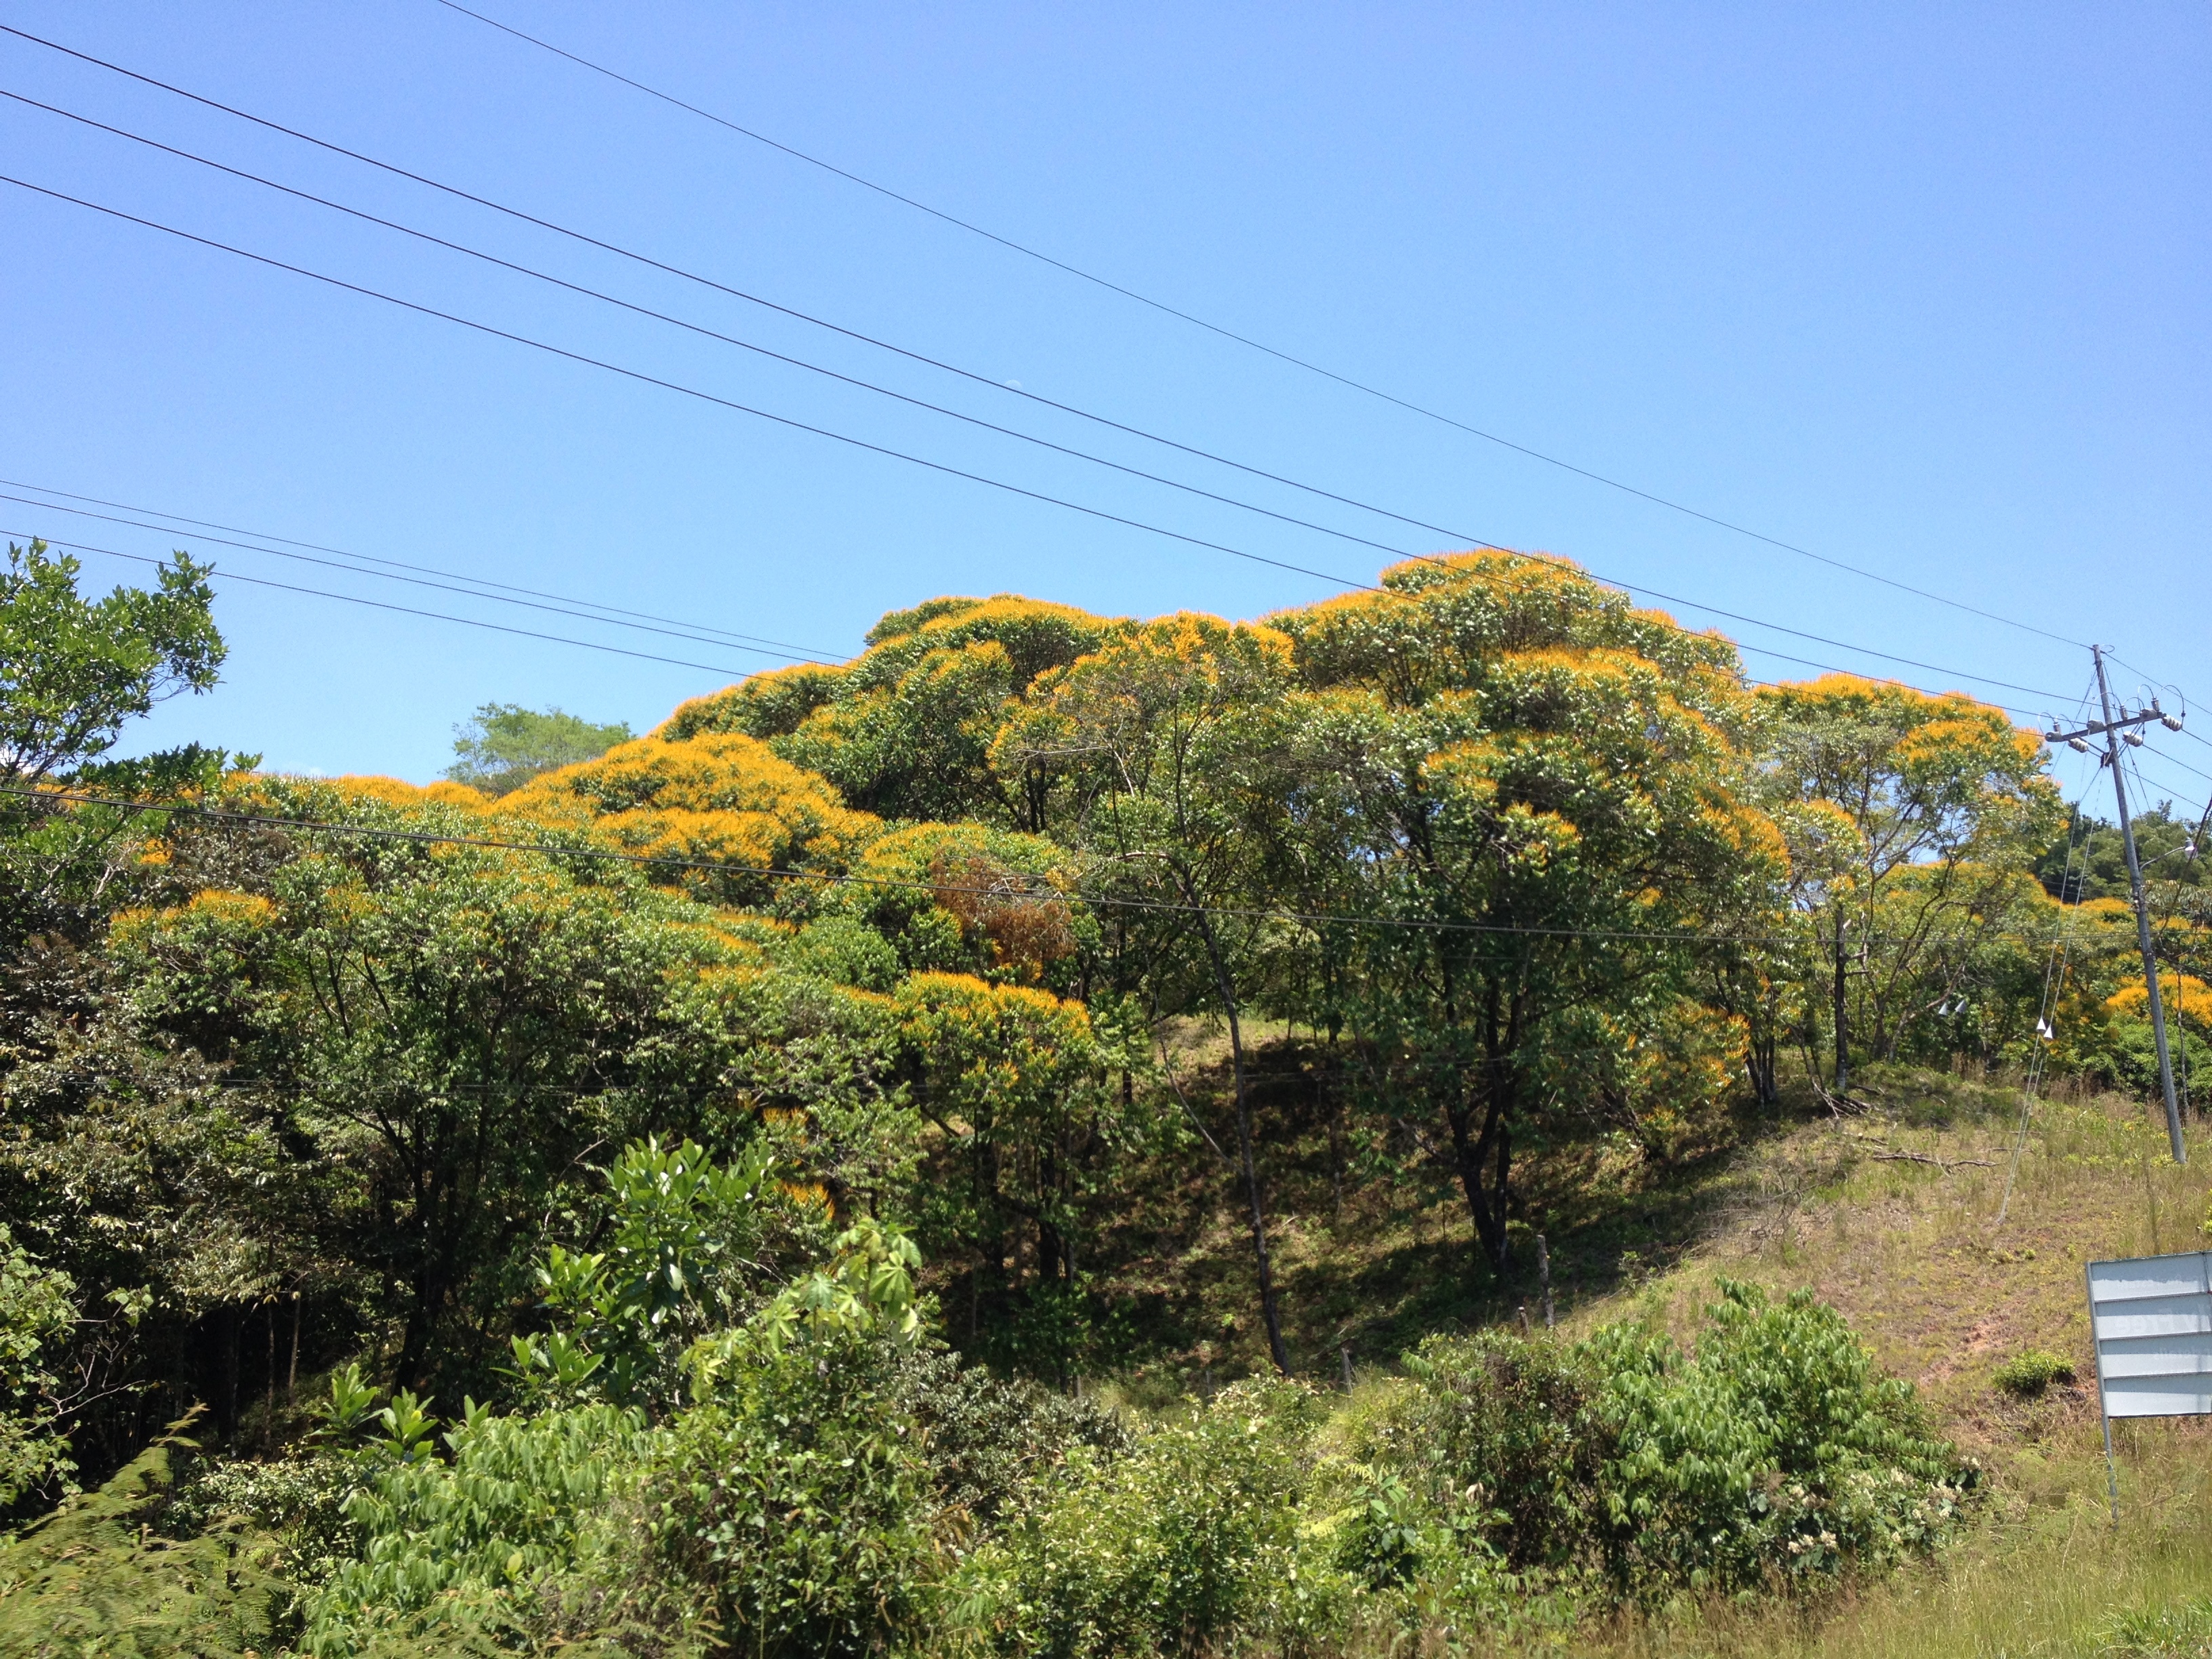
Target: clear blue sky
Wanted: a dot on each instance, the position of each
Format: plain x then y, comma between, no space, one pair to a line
1922,288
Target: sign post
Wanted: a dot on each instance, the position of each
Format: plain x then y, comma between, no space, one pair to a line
2150,1319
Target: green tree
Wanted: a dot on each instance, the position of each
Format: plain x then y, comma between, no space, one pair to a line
1144,744
1543,789
74,672
439,1037
1908,816
1012,1081
37,1311
2089,862
504,745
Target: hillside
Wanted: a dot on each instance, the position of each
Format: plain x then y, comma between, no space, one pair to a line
1891,1216
1056,1139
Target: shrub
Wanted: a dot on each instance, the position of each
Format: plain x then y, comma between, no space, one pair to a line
2029,1374
797,1495
298,1502
990,1441
496,1543
1503,1438
1774,1447
1188,1540
1630,1465
794,1496
37,1312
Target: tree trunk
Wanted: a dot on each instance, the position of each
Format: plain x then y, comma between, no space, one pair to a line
1268,1311
1842,1017
1759,1063
1472,1153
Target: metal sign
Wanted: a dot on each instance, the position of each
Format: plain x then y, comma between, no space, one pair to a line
2151,1320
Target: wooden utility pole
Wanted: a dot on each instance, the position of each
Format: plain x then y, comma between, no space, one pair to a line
2111,729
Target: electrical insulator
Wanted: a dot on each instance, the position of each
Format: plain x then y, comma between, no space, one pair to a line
2171,722
2076,743
2134,739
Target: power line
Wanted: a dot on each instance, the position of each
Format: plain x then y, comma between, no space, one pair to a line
2171,761
1454,534
415,581
370,558
589,241
710,333
251,547
825,432
1256,345
379,604
672,386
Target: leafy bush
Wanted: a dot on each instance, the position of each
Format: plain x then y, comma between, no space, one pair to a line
682,1236
797,1497
1188,1540
1773,1448
37,1309
496,1542
299,1502
1631,1465
795,1494
2029,1374
1505,1441
990,1441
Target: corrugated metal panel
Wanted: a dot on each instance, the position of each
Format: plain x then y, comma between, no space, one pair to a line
2152,1319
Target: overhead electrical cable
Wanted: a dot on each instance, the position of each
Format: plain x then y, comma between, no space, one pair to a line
404,610
644,379
716,334
787,421
265,537
721,634
1260,346
1462,535
589,241
794,653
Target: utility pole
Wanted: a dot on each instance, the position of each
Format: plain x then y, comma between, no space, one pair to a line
2111,730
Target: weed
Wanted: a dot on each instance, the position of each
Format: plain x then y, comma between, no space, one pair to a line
2027,1375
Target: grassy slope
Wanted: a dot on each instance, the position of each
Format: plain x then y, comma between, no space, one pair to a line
1892,1217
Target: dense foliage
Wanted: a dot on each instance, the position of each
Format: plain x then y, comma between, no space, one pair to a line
688,1225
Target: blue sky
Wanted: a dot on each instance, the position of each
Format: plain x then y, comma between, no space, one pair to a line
1920,288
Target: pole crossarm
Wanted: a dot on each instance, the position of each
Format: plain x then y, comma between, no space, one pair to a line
2124,722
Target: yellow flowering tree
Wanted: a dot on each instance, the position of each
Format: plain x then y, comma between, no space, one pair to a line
1540,791
718,798
1911,817
1012,1080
